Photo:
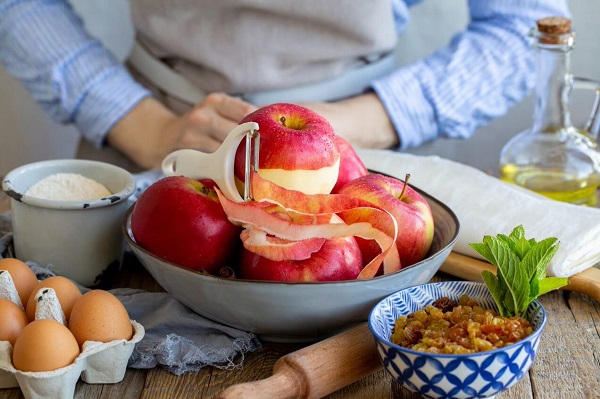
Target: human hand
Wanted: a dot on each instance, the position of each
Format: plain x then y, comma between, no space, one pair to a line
150,131
362,120
208,123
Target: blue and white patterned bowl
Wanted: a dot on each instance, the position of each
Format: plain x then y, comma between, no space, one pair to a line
477,375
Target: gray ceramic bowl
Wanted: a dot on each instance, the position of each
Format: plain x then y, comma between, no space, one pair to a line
77,239
294,312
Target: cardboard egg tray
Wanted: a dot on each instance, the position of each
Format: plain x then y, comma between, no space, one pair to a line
98,363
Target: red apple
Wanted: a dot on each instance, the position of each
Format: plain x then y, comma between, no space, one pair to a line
411,210
351,166
298,149
182,221
338,259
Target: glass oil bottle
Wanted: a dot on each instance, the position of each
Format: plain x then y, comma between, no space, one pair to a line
554,158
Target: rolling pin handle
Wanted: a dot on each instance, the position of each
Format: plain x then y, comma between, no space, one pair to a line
281,385
317,370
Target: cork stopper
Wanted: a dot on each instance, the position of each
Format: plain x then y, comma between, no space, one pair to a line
552,28
554,25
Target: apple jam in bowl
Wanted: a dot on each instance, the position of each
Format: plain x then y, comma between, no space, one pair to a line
298,311
428,344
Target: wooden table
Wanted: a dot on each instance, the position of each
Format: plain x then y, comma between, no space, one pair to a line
567,365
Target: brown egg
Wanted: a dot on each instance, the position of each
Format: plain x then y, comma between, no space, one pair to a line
99,316
66,292
23,277
44,345
12,320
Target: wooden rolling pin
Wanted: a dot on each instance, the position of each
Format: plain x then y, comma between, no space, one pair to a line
324,367
316,370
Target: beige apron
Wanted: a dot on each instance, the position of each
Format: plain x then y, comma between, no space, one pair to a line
250,47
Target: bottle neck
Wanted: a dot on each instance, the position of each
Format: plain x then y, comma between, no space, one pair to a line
553,88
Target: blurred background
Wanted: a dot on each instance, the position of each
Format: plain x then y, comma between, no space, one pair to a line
27,134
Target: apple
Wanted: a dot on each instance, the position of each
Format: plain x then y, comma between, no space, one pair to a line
407,206
182,221
298,149
338,259
351,166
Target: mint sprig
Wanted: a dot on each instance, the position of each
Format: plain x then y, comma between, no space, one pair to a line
520,269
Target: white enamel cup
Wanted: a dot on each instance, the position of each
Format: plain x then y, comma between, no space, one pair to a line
80,240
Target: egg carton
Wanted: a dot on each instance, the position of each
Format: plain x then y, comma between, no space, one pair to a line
98,363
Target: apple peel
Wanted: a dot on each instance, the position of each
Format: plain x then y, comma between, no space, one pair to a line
255,215
275,248
297,201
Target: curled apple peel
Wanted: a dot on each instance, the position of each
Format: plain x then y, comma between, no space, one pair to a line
264,214
275,248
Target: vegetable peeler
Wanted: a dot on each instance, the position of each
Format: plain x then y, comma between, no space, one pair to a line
218,165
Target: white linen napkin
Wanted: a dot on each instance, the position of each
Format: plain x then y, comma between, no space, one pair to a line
485,205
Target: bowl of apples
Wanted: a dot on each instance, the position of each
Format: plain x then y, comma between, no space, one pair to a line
319,243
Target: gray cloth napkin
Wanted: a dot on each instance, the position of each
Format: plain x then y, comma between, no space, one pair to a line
180,339
176,337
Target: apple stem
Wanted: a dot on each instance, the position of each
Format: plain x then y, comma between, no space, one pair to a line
405,184
282,120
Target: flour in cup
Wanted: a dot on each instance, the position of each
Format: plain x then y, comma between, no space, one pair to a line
67,187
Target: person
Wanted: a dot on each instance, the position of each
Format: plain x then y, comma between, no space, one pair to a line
241,54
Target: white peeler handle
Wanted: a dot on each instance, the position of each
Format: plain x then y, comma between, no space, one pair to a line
217,166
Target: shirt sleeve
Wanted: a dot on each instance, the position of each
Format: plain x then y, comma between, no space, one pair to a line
483,72
70,74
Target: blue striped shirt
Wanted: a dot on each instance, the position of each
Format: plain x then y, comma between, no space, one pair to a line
484,70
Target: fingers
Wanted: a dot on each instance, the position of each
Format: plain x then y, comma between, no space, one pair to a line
201,142
229,107
209,122
218,114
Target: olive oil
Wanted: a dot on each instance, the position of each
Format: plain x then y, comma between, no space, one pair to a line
554,158
557,185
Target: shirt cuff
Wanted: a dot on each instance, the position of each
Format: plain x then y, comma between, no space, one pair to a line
411,114
110,98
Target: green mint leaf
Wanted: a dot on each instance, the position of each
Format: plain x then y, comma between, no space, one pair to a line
538,257
521,247
507,240
484,250
518,232
502,284
512,308
534,290
508,264
491,282
549,246
516,241
552,283
520,269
